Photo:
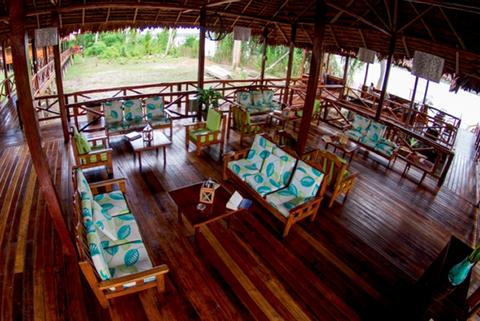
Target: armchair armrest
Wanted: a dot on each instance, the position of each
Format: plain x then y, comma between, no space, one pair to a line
135,277
306,208
97,152
95,140
236,155
108,184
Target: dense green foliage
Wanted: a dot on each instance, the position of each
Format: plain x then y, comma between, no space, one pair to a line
132,43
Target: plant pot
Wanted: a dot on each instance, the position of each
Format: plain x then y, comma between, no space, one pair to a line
459,272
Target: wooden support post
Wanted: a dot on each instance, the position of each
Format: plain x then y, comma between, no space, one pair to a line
201,57
426,91
366,76
327,67
34,56
45,56
288,77
8,90
57,60
414,93
391,50
264,55
31,128
302,65
345,76
315,66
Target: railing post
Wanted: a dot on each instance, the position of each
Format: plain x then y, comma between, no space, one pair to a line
5,72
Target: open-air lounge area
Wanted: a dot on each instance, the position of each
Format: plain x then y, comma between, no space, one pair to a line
300,197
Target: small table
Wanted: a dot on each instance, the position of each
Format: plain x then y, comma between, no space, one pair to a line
420,163
349,149
283,120
160,140
187,198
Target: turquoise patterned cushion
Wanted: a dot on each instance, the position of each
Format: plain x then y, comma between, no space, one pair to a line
133,111
244,168
353,134
194,134
284,200
244,98
270,177
306,181
260,150
103,221
82,186
87,210
96,253
160,120
125,230
127,259
113,203
257,98
115,127
289,164
113,111
386,146
374,133
360,124
154,107
268,97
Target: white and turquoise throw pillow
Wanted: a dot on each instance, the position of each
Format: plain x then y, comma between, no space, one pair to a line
244,98
154,107
133,110
113,111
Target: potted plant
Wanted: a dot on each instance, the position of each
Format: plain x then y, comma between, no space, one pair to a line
208,98
459,272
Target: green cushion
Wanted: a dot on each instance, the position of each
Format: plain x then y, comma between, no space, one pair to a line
194,134
214,119
82,143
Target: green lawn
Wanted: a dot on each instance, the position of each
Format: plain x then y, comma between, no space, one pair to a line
90,72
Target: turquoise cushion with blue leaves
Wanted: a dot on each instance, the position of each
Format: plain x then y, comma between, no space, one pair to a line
261,148
354,135
113,203
113,111
83,187
133,111
268,97
160,121
289,164
373,135
87,210
360,124
115,127
306,180
257,98
386,146
269,178
284,200
244,99
154,107
96,252
244,168
124,229
127,258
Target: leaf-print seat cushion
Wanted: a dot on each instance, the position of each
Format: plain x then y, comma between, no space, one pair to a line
96,252
117,126
160,120
374,133
289,163
354,135
154,108
113,203
244,168
244,99
113,111
83,187
304,186
386,146
360,124
127,259
270,177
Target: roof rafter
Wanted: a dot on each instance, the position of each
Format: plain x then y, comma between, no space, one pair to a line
330,28
387,9
423,22
360,18
340,13
405,47
449,5
305,10
459,39
377,15
279,9
243,10
363,38
308,35
282,32
419,16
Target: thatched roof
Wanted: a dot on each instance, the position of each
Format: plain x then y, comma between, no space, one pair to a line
445,28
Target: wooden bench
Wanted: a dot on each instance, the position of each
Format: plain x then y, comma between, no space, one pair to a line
129,268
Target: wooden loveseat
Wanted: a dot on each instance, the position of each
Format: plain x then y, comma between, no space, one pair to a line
113,257
257,100
289,188
370,134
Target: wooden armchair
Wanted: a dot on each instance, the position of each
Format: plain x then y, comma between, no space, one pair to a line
112,268
207,133
241,123
96,154
340,181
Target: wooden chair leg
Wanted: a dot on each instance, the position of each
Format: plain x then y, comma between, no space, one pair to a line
161,283
91,279
287,227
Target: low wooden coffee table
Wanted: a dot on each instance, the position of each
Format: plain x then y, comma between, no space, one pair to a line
160,140
187,198
349,149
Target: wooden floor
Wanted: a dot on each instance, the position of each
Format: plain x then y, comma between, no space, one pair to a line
347,265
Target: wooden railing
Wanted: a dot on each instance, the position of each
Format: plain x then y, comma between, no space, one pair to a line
176,95
7,87
45,75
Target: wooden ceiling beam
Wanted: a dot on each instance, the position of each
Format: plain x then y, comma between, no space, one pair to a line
419,16
243,10
449,5
405,47
330,28
387,9
279,9
363,38
452,28
308,7
360,18
282,32
308,35
108,16
340,13
372,8
423,22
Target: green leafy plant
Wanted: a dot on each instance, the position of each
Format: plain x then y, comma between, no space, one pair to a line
208,97
475,255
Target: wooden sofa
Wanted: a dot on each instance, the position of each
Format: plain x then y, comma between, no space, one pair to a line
123,116
289,188
257,100
370,134
113,257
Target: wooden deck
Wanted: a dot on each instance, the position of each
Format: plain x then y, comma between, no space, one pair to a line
347,265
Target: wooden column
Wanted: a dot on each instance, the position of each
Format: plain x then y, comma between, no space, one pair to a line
391,50
45,56
315,66
366,76
302,65
31,129
264,55
345,76
34,56
327,67
426,91
57,60
8,90
288,77
414,93
201,56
